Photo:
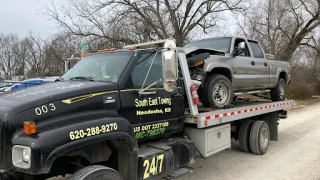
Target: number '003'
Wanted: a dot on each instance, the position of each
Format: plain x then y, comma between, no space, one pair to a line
45,109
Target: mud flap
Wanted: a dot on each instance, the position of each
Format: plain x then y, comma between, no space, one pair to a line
272,120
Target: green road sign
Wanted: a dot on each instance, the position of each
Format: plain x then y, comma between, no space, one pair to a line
85,47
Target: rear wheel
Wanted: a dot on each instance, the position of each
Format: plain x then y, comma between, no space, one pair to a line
244,135
5,176
217,92
96,172
279,92
259,137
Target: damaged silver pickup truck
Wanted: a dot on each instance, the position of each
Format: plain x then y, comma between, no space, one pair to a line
232,66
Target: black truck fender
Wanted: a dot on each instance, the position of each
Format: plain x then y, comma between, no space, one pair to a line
48,145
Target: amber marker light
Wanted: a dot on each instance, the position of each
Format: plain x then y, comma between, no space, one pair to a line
29,127
206,123
198,63
195,119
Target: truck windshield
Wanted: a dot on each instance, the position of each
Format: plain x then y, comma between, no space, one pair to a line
221,44
99,67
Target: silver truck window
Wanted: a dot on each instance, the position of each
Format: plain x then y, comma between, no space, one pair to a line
221,44
256,49
241,43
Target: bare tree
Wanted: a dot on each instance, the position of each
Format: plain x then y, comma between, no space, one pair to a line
130,21
36,59
312,51
282,25
58,49
8,61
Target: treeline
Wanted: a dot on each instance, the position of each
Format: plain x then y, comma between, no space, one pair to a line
289,29
32,56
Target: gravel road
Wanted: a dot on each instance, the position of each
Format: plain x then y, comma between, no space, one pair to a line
295,156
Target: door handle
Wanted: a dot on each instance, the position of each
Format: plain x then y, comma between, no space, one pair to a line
253,63
265,64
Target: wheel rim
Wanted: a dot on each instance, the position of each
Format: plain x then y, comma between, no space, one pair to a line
220,93
281,90
264,140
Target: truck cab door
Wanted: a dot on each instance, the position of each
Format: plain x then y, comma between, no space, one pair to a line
262,64
155,112
243,67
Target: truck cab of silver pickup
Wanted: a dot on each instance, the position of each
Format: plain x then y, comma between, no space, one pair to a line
231,66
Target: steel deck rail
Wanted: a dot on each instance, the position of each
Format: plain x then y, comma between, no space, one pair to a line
216,117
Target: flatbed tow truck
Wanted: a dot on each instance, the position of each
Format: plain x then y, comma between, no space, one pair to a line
112,117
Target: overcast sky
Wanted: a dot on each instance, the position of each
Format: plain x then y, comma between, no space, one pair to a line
21,16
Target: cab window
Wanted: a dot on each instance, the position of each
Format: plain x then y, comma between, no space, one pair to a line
241,43
256,49
140,71
100,67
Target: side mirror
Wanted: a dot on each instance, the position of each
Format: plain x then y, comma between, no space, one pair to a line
240,51
169,61
242,45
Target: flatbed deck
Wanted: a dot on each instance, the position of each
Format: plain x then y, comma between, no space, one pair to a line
241,110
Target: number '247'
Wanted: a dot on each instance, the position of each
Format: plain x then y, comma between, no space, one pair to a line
154,167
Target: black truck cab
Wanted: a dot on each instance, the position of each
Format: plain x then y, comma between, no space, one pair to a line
104,110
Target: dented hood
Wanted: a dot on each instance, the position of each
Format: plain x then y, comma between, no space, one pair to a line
199,50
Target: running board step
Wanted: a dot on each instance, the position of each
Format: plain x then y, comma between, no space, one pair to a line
251,92
179,172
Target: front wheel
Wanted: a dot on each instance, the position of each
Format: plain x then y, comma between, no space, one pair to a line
218,91
279,92
96,172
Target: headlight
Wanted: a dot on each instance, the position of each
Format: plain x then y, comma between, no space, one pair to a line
21,156
26,155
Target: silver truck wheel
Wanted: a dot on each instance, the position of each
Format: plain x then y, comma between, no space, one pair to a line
219,91
244,135
259,137
96,172
279,92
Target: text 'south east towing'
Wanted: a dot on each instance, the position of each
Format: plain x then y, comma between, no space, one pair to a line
155,129
150,102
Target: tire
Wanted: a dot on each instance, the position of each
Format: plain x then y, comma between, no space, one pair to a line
218,88
202,95
259,137
5,176
244,135
96,172
235,98
279,92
